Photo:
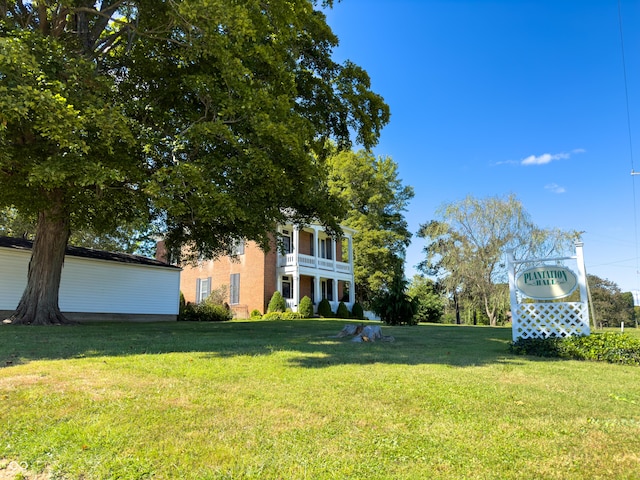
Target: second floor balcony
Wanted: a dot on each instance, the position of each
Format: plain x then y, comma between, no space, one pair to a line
310,261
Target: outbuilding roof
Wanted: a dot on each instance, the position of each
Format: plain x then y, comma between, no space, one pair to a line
22,244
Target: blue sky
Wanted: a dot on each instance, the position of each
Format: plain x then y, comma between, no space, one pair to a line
497,97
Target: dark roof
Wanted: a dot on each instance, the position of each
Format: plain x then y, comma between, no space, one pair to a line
22,244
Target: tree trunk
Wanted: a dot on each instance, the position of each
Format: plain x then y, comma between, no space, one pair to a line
39,302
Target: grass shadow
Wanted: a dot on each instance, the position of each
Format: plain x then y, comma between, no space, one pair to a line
313,342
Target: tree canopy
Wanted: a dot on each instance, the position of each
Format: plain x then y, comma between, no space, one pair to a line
466,246
208,116
611,306
375,200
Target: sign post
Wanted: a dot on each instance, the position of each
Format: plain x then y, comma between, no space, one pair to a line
534,294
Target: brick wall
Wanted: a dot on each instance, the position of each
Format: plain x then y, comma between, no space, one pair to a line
257,278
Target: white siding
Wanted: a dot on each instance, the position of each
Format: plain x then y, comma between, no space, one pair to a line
97,286
13,277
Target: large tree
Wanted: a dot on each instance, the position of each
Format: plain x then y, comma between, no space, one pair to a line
138,238
610,305
375,199
466,247
208,116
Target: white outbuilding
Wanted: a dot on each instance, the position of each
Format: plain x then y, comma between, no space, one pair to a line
96,285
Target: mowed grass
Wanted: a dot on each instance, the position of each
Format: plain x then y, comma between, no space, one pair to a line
285,400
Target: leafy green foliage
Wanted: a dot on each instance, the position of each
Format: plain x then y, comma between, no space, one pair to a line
342,311
429,303
277,303
394,306
185,112
375,199
611,306
357,311
205,312
213,309
465,248
255,314
305,308
602,347
324,308
282,316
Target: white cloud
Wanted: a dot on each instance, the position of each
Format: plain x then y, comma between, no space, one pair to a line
555,188
544,158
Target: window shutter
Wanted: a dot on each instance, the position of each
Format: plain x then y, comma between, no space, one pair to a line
234,291
197,290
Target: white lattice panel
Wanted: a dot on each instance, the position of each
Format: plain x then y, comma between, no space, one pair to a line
542,320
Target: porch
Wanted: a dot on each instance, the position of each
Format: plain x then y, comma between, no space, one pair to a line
317,288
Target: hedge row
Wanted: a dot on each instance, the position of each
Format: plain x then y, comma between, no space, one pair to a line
609,347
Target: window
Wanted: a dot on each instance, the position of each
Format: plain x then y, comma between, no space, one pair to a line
237,248
286,288
326,250
286,241
327,289
203,289
234,289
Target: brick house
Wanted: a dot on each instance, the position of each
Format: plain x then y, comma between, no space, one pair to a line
310,263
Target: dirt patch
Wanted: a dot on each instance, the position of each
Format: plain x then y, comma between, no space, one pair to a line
11,470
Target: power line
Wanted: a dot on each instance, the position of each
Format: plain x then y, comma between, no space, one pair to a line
633,172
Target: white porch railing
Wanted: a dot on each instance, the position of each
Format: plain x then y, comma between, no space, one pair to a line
310,261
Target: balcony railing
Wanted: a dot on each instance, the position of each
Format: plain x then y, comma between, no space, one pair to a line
310,261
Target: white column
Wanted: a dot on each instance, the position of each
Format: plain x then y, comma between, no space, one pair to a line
296,244
335,291
334,252
296,291
317,292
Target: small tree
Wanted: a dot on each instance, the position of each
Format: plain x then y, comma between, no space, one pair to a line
324,308
277,303
394,306
305,308
429,303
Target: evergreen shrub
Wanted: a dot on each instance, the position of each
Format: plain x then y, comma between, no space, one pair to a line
343,311
305,308
324,308
277,303
357,311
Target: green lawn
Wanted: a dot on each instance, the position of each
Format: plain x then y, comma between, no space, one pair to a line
284,400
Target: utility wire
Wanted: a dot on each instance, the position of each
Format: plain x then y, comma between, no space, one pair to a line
633,172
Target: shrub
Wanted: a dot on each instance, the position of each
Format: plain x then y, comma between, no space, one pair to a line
182,304
324,308
305,308
282,316
205,312
256,313
277,303
604,347
210,312
357,311
343,311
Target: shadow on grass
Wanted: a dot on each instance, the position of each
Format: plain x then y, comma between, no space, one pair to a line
312,343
